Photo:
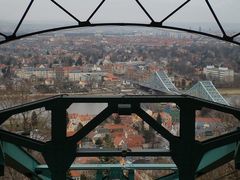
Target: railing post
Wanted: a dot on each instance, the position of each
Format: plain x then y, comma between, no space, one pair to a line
60,152
99,175
184,149
131,174
237,156
2,163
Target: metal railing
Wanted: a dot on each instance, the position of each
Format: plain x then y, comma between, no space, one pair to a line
191,157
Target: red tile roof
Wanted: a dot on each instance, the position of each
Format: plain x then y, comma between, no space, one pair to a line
114,126
75,173
86,160
133,141
208,120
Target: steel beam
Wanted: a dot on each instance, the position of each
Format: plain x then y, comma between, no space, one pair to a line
122,153
109,166
217,157
21,140
92,124
186,152
221,140
59,153
20,160
237,156
2,161
154,124
6,113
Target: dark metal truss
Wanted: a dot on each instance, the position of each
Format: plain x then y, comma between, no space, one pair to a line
186,152
158,24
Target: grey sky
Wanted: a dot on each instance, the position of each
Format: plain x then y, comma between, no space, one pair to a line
196,11
121,11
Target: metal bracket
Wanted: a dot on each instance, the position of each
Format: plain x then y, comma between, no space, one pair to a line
124,109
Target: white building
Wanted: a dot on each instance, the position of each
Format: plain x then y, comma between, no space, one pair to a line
221,73
77,75
41,72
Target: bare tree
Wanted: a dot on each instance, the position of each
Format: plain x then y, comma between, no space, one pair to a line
23,122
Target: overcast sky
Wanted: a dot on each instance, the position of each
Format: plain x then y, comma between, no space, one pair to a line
121,10
196,11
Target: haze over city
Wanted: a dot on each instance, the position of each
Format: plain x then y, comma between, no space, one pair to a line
112,10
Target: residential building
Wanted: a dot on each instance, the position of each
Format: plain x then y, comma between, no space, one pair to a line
39,72
221,73
77,75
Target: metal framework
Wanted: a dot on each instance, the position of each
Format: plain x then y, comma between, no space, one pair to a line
191,157
206,90
160,81
153,23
